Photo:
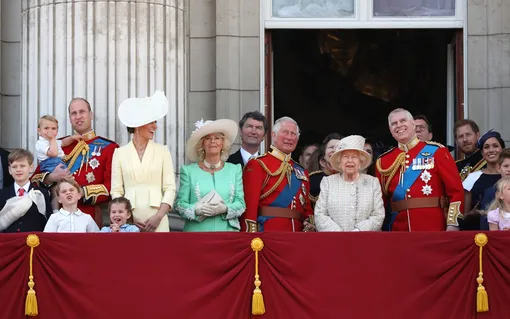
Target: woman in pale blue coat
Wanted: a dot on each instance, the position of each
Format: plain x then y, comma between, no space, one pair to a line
211,196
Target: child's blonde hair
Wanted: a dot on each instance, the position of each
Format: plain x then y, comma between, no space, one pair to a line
498,203
68,181
47,118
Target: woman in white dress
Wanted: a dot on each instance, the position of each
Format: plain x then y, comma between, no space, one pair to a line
350,200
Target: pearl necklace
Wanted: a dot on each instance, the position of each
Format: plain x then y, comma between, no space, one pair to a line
212,166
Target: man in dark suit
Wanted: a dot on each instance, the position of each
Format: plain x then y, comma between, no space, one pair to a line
5,177
23,207
253,127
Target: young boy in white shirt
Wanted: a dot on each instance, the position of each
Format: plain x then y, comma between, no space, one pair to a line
49,150
69,219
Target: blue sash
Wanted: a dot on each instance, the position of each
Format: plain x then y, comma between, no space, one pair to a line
283,200
95,144
410,176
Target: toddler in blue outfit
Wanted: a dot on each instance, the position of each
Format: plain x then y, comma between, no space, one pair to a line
120,214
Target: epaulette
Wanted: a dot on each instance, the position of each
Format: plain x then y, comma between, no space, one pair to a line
434,143
459,160
314,173
101,141
388,151
260,156
299,165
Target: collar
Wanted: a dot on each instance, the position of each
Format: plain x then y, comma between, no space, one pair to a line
409,145
42,138
247,155
279,154
89,135
126,225
17,187
67,213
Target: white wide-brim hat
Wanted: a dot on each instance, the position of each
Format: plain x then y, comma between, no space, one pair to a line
229,129
351,143
136,112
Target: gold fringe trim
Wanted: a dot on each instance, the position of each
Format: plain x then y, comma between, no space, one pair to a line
257,301
31,308
482,298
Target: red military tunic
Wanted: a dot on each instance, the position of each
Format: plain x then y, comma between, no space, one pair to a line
90,163
436,178
266,184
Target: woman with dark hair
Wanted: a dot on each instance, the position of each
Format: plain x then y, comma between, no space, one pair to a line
369,147
491,144
142,170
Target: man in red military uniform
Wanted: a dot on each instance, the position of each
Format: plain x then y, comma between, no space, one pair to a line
421,186
275,187
89,161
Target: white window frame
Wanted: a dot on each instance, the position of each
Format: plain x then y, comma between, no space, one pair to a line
363,19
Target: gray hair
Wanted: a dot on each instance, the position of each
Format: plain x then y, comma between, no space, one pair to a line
225,150
409,116
278,124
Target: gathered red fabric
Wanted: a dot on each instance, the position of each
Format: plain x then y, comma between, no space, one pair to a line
211,275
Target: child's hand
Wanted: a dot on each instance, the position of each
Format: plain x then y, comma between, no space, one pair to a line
115,228
50,135
77,137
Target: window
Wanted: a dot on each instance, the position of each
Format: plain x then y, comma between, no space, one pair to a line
313,8
414,8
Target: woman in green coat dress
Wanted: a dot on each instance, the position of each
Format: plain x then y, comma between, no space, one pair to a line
211,196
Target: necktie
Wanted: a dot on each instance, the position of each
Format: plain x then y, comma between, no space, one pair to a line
21,192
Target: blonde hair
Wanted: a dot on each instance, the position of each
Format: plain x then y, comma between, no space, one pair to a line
68,181
47,118
498,203
224,150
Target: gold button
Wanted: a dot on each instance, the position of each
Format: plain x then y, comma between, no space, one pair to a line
407,155
408,190
407,162
408,196
407,166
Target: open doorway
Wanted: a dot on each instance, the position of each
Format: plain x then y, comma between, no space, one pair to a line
347,81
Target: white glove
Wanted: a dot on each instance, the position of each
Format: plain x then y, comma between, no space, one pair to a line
199,209
210,210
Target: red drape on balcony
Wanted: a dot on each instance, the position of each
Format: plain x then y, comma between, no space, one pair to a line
210,275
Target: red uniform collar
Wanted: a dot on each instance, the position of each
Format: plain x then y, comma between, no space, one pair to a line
409,145
280,155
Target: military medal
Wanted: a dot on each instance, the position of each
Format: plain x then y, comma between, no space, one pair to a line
302,200
98,153
94,163
90,177
303,188
425,176
426,190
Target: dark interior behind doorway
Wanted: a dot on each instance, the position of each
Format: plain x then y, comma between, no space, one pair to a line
348,80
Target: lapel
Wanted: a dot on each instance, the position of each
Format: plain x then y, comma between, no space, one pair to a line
12,192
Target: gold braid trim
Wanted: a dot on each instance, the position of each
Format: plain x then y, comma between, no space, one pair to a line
284,170
91,192
388,174
479,165
71,158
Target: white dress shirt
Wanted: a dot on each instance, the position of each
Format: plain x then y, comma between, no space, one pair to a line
70,222
43,145
17,187
247,156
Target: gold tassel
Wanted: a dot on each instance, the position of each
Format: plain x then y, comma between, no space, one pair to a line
482,298
31,301
257,301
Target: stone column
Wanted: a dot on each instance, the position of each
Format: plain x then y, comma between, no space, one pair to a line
489,64
104,51
224,59
10,115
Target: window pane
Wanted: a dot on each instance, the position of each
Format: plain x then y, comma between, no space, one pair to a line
313,8
413,8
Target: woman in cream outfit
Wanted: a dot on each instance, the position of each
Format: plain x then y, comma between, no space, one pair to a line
142,171
350,200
